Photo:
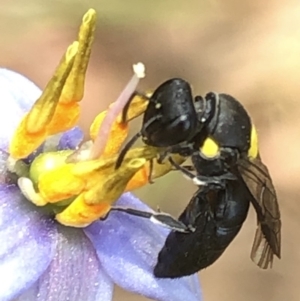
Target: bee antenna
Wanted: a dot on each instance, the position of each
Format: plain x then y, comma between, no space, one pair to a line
126,107
126,148
130,143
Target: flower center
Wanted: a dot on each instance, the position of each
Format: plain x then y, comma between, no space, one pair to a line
80,185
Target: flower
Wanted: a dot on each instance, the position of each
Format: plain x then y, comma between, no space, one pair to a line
46,185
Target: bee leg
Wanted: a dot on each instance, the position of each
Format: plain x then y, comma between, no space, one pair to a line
183,149
189,167
163,155
199,180
163,219
150,172
186,167
229,155
126,148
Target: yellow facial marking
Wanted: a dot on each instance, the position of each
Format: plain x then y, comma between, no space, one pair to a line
210,148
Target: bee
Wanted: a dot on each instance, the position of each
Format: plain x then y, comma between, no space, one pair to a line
216,132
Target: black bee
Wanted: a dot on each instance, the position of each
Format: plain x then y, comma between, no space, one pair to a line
218,135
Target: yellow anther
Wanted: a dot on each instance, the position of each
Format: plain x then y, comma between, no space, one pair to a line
80,214
68,180
118,134
105,165
32,130
141,177
60,184
44,108
119,130
57,109
74,89
65,117
46,162
113,184
95,203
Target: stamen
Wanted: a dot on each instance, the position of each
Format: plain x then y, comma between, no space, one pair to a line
33,129
74,87
96,202
115,110
158,170
114,184
57,109
68,110
79,214
43,110
27,188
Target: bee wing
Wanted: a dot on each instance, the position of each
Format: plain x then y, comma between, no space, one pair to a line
267,238
261,252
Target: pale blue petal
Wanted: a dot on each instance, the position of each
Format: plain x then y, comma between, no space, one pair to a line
28,241
17,95
128,246
5,176
71,139
75,273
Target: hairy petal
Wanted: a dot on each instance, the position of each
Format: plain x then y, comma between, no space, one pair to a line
28,241
74,274
128,246
17,96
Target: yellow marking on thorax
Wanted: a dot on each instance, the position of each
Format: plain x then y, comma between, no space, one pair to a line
210,148
253,150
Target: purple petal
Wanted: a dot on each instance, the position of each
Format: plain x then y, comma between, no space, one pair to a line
5,176
74,274
27,243
17,96
128,247
71,139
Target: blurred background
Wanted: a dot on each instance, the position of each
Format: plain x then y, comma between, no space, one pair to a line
249,49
